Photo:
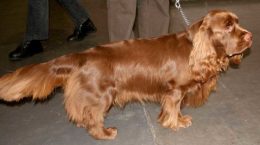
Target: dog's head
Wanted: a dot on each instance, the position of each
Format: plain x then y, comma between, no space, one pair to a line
218,40
226,31
219,33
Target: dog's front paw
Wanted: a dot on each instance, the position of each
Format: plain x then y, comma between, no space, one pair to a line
81,125
103,133
111,133
184,121
168,121
175,123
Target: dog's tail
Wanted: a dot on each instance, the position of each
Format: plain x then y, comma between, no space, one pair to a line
38,80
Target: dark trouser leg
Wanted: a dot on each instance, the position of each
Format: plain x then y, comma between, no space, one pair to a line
77,12
38,20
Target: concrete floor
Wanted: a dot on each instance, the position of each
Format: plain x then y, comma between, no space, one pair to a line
230,117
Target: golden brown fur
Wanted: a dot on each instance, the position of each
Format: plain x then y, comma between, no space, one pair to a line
173,70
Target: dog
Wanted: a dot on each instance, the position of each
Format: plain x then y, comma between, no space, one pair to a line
172,70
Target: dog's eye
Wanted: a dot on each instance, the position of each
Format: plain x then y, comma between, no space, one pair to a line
229,26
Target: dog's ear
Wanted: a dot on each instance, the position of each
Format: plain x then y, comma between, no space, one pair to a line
202,52
194,28
202,47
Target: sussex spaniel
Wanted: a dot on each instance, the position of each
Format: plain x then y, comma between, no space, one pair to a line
173,70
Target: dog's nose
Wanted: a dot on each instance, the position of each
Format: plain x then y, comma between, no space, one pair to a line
248,36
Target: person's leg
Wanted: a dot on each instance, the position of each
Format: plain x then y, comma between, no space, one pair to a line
36,30
153,17
76,11
83,24
121,19
37,20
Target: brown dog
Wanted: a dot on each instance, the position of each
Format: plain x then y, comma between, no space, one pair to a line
172,70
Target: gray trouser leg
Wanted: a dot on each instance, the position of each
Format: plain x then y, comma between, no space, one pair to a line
121,19
148,18
153,18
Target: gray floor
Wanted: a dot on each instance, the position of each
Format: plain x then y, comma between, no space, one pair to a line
230,117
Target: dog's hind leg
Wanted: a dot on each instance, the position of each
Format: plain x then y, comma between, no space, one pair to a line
87,102
94,122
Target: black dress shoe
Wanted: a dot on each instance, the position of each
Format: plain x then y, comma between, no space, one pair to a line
26,49
82,31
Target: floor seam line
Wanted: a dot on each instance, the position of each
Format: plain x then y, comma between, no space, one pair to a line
150,125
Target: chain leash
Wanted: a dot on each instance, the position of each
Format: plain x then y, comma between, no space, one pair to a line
178,6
